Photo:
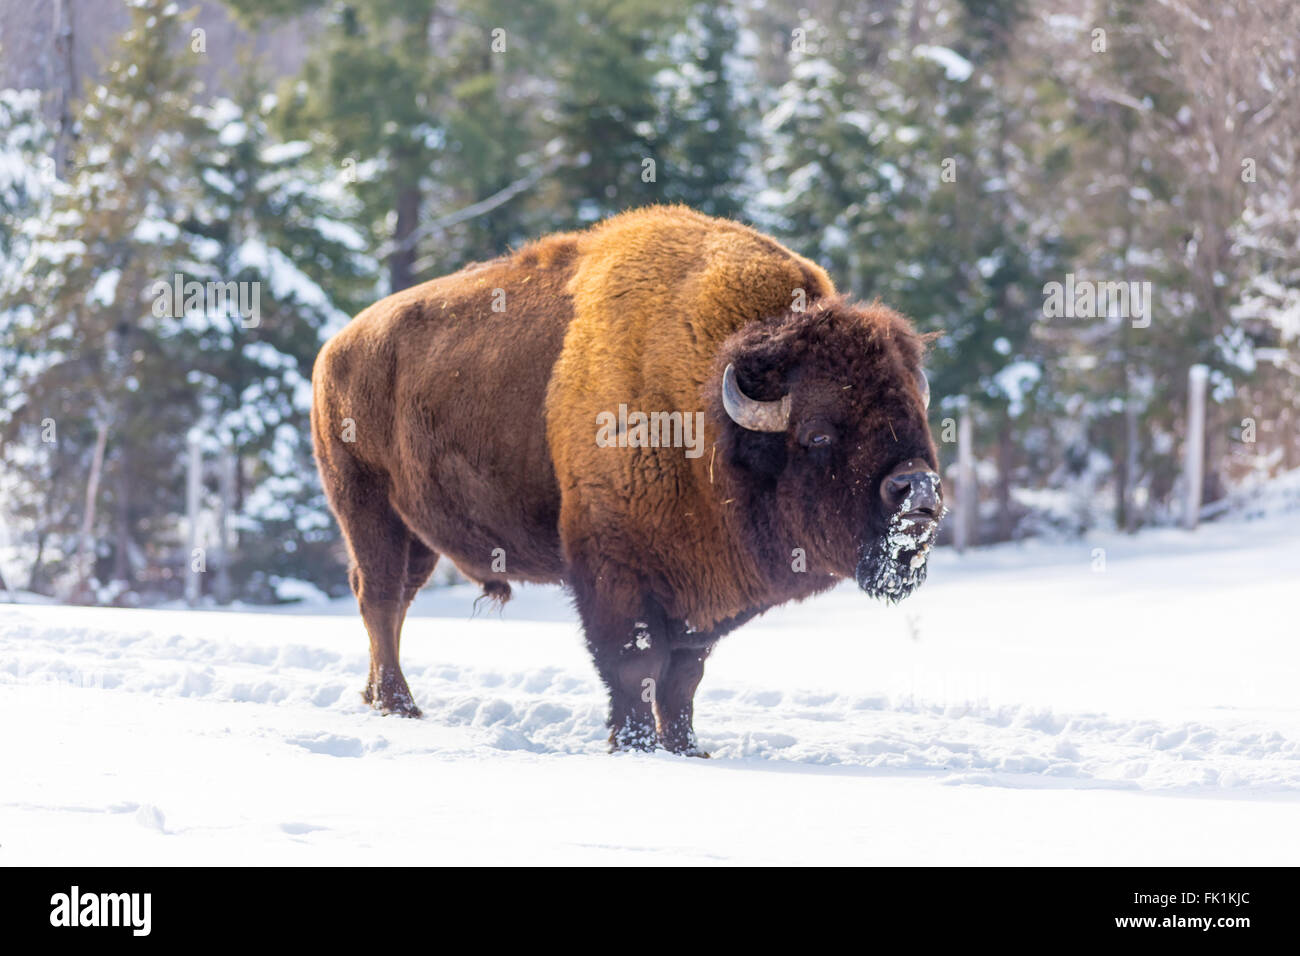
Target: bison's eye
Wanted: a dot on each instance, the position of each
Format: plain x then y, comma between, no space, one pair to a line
817,436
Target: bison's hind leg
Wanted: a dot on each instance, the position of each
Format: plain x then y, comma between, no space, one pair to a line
389,565
420,562
384,599
386,689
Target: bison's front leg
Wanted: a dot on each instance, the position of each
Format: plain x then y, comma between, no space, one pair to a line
631,653
675,701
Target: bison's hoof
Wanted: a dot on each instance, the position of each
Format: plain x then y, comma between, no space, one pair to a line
686,750
679,738
391,702
633,735
400,709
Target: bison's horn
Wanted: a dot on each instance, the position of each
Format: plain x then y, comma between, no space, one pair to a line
748,412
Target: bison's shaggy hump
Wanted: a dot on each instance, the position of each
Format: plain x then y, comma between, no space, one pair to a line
656,292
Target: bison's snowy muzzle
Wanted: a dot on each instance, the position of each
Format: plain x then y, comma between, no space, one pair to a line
913,491
892,565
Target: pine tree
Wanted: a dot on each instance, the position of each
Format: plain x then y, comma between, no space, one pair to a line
704,114
275,219
27,184
106,345
604,58
973,261
829,183
894,168
425,104
86,354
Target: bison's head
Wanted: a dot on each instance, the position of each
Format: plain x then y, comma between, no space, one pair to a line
822,429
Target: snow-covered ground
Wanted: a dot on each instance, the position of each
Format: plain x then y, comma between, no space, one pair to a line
1023,707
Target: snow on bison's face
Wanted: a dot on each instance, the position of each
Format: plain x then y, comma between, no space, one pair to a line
828,440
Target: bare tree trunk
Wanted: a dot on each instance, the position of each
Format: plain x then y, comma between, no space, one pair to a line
1126,470
122,549
193,499
1194,446
66,91
225,529
965,531
1131,440
914,23
401,264
1290,450
416,40
1006,453
86,546
36,579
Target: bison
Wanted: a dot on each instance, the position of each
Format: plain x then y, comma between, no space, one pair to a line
673,415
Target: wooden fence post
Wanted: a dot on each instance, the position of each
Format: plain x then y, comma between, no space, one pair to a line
1194,447
193,493
967,527
225,530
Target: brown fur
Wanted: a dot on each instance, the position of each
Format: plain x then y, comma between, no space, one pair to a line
475,431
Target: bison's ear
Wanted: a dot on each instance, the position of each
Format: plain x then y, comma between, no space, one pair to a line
763,368
762,455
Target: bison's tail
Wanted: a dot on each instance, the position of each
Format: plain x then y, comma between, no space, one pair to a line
497,593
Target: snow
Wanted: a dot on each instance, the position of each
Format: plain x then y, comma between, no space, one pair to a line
955,66
104,291
341,233
292,589
285,152
1015,381
219,181
287,280
232,134
155,231
1021,707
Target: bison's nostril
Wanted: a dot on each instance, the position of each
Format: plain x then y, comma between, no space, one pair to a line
917,492
896,489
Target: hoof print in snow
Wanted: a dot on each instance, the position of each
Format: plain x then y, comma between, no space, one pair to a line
151,818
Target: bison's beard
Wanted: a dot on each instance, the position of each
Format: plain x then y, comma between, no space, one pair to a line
893,565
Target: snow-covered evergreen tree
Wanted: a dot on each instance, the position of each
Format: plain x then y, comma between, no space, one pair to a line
176,283
276,217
